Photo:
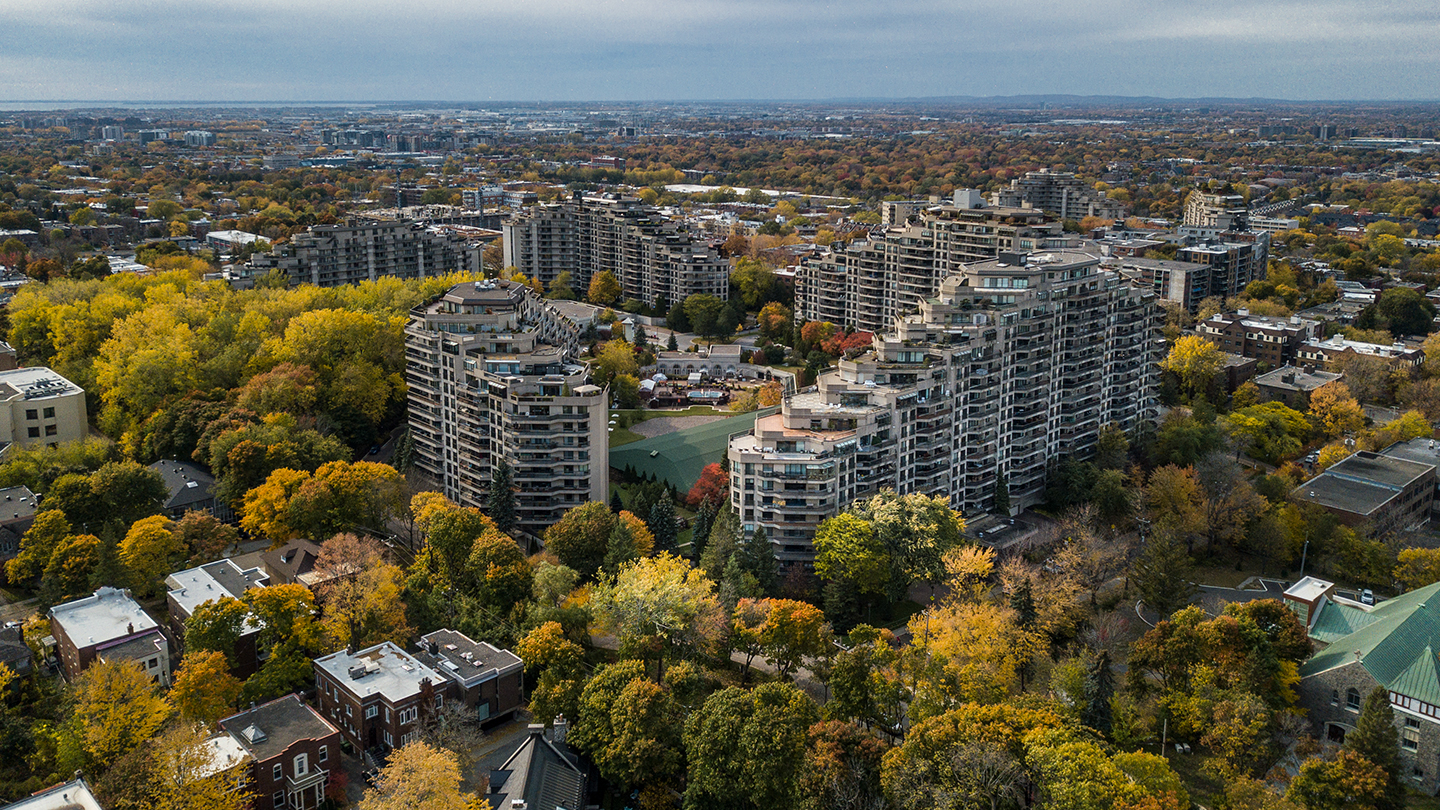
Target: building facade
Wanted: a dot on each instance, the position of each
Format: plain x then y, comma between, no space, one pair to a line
187,590
39,407
292,750
1271,340
1013,364
364,250
488,681
867,285
656,261
109,626
375,696
1226,212
1338,348
1386,493
1059,193
492,378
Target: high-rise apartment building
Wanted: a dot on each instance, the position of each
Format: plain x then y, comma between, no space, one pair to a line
1012,365
491,377
655,259
366,249
1059,193
199,137
1227,212
865,285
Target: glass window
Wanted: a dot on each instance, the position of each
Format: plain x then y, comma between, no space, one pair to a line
1352,699
49,413
31,413
33,432
302,765
324,754
279,798
1410,735
277,772
371,712
51,430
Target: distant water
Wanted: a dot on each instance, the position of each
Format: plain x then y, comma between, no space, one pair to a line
52,106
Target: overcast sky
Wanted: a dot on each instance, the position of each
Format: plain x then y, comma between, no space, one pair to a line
482,50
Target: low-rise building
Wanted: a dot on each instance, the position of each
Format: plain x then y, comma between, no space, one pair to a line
292,563
1184,284
1386,493
40,407
376,695
190,489
542,772
1421,451
1391,644
1337,348
189,589
17,512
109,626
1271,340
488,680
292,750
72,795
1293,386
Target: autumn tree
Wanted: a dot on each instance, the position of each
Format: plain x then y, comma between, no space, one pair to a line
71,570
615,359
581,536
1195,361
559,664
1347,782
1335,410
658,606
150,550
360,596
792,632
604,289
713,483
749,747
117,708
418,776
186,776
202,537
1417,567
204,690
37,545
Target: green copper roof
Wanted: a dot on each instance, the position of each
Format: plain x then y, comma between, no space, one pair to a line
1396,645
1337,621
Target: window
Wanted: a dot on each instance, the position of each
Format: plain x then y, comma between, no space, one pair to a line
1334,697
49,413
279,798
1352,699
33,432
371,712
1410,735
302,765
31,413
349,711
51,430
324,754
439,701
277,772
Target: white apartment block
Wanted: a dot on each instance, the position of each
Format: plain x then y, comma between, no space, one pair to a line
1059,193
38,406
491,376
868,284
654,259
364,250
1014,364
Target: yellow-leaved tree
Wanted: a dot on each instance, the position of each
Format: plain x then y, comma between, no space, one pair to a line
1336,410
117,708
1195,361
419,777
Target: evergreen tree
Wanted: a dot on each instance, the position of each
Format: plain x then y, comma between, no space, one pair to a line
672,345
1002,496
621,548
662,524
1162,575
1375,739
721,545
1022,601
616,504
737,583
1099,689
842,607
760,562
700,529
501,501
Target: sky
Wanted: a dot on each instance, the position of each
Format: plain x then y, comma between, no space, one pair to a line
645,50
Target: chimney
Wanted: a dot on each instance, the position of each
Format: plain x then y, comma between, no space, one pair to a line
130,628
562,728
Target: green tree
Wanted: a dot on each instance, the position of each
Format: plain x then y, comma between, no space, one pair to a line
620,550
215,626
604,289
759,561
1162,574
46,532
626,725
662,525
747,749
1400,310
500,501
70,573
847,550
581,537
702,311
1375,739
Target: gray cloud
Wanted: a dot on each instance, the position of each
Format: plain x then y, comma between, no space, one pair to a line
712,49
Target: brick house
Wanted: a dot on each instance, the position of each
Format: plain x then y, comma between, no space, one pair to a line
487,679
188,590
376,695
1392,644
292,749
109,626
1271,340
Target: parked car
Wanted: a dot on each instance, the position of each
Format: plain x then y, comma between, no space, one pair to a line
1367,597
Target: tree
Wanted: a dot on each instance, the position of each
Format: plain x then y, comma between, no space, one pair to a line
626,726
747,749
46,532
562,287
916,530
792,632
1112,448
501,499
1195,361
625,391
117,708
150,550
186,776
604,289
774,321
616,358
202,537
662,525
215,626
1417,567
702,310
1401,310
418,776
1162,574
660,605
1348,782
620,549
365,608
843,768
1375,739
343,496
581,537
758,560
847,550
204,689
713,484
71,570
1270,431
1337,412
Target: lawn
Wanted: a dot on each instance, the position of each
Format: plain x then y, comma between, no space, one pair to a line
622,435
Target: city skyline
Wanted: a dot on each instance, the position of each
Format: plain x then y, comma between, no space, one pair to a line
563,51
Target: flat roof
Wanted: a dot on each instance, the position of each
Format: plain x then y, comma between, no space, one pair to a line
1302,380
72,795
194,587
388,671
16,503
106,615
462,659
1362,483
34,383
1420,451
1309,589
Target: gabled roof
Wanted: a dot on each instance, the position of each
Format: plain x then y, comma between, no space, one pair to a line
187,483
542,773
1397,646
268,730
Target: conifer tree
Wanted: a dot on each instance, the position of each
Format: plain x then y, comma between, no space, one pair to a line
760,562
1099,689
617,505
1022,601
621,548
700,531
1162,575
1376,739
501,501
662,524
